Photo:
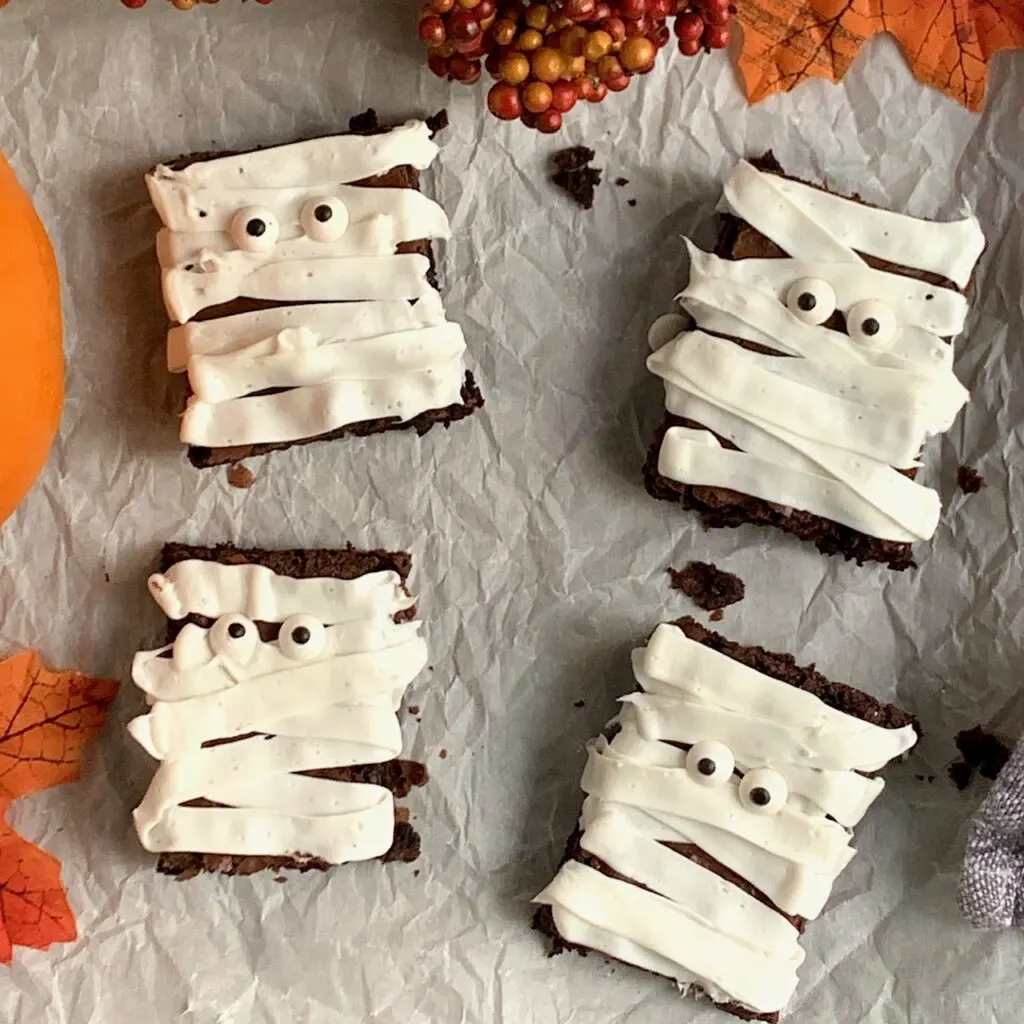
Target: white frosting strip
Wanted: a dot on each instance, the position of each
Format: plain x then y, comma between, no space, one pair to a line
403,214
224,277
195,587
700,462
796,212
296,358
335,158
330,322
309,411
752,976
674,664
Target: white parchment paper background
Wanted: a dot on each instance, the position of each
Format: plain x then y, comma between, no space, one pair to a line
539,558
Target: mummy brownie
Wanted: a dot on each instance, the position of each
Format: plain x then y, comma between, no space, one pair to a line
273,710
301,280
719,812
817,364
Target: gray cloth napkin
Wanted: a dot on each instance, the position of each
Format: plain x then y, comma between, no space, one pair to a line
992,882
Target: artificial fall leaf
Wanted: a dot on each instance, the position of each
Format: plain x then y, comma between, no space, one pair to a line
46,718
947,43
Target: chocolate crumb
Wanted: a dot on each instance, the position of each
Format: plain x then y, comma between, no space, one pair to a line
982,751
960,774
365,123
414,709
402,814
106,577
717,615
579,704
708,586
437,122
969,480
620,182
442,753
241,476
575,175
631,202
280,878
416,873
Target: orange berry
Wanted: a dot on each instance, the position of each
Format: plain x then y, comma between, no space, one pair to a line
538,16
503,32
530,39
548,65
572,39
597,45
575,67
638,53
442,6
469,4
609,67
514,68
537,97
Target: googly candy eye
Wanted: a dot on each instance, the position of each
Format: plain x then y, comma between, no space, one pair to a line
872,323
710,763
234,637
763,791
302,638
255,229
811,299
324,219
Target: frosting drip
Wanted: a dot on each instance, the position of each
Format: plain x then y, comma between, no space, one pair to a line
826,430
762,776
323,695
361,333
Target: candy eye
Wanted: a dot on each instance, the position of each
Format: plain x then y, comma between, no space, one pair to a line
302,638
324,219
872,323
710,763
234,637
812,300
763,791
255,229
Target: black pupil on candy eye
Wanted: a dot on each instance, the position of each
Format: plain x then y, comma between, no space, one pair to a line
300,634
256,227
236,631
806,301
760,796
706,766
871,326
323,213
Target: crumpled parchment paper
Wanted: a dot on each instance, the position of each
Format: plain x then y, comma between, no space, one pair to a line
539,558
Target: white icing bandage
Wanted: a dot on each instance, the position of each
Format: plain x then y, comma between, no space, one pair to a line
291,225
764,777
824,425
323,695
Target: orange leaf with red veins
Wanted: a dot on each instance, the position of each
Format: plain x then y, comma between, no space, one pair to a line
46,719
947,43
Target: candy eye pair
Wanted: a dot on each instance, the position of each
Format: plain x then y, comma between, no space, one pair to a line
235,638
761,790
869,321
255,229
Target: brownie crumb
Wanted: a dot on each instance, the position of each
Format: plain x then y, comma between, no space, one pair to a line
241,476
631,202
969,480
982,751
717,615
579,704
106,577
708,586
960,774
437,122
442,753
365,123
414,709
416,873
280,878
621,182
575,175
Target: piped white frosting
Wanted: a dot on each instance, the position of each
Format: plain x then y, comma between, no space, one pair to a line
644,791
827,429
323,695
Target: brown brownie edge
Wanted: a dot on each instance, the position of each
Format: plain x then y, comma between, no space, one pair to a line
400,776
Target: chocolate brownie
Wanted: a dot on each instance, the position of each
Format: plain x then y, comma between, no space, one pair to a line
399,776
781,667
709,587
724,507
400,177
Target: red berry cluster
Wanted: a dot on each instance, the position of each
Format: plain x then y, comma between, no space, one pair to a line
548,56
182,5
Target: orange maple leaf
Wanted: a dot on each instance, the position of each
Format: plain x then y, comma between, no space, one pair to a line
46,718
947,43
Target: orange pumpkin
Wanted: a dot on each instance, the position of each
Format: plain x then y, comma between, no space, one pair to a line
31,344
